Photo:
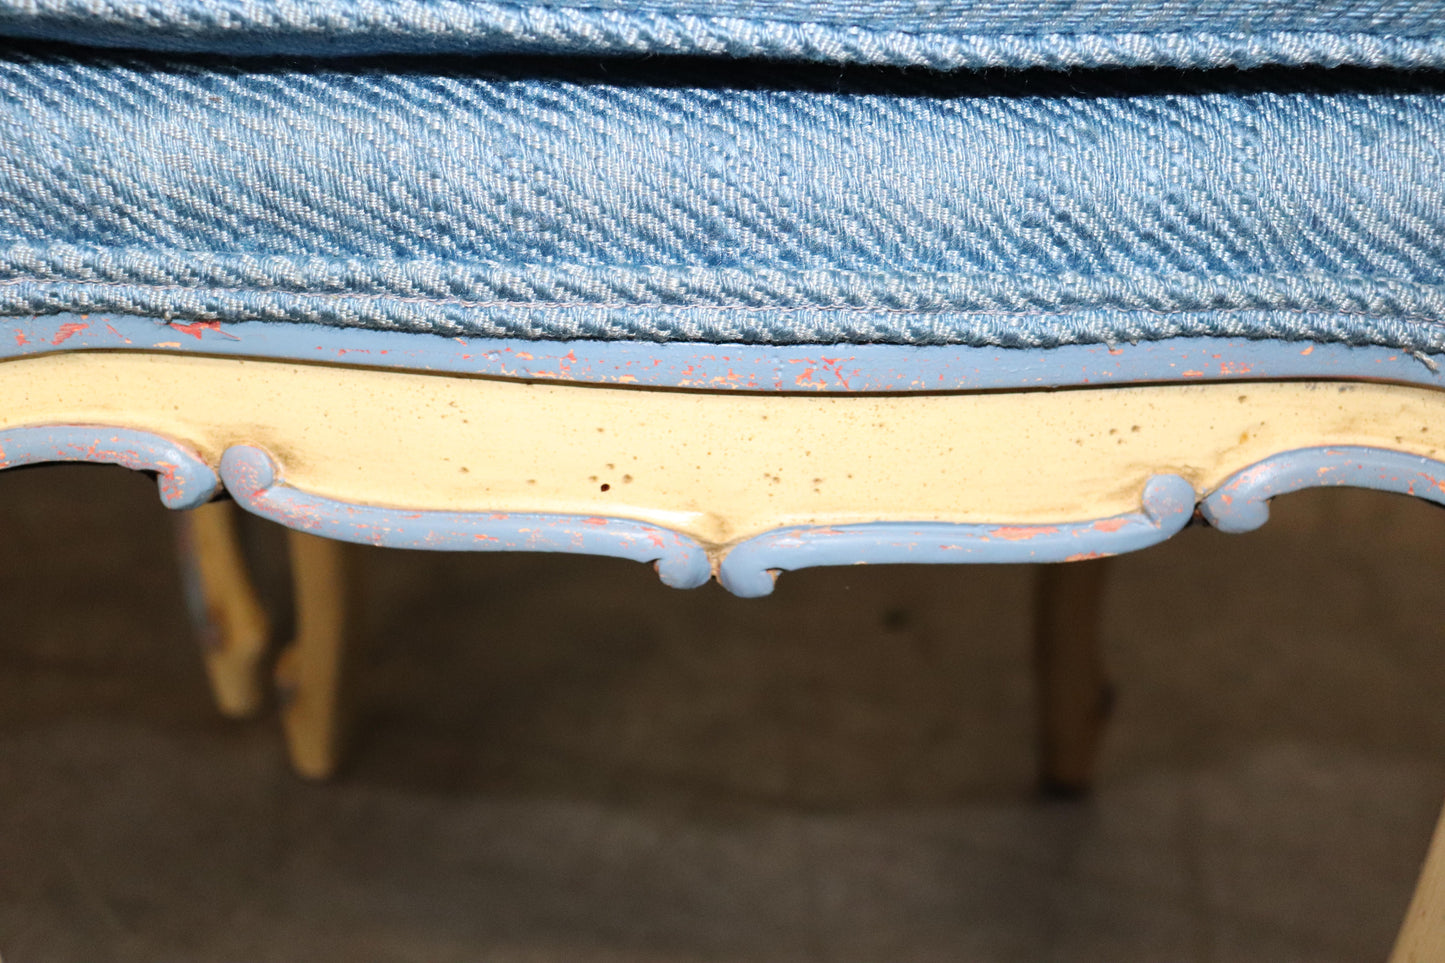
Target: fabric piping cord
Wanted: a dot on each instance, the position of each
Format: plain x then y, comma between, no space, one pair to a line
939,34
805,205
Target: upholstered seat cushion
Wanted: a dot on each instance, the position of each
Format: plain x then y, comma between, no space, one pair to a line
717,201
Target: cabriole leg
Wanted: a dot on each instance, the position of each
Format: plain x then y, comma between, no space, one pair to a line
233,626
308,674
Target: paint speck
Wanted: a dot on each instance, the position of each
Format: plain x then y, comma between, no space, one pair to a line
1134,428
465,470
606,487
627,479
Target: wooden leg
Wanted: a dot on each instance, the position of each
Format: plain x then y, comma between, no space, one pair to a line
232,624
308,674
1074,697
1422,937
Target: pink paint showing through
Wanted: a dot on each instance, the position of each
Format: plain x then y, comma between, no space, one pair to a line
68,330
1022,533
197,328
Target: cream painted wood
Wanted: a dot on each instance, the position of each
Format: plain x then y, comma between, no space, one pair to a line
309,671
1422,938
235,630
717,466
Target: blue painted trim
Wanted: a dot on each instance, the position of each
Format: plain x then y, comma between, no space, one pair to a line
1241,504
795,368
185,480
750,569
251,478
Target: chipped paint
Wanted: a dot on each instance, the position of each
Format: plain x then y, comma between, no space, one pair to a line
67,331
183,478
750,569
1241,503
197,329
866,368
1022,533
252,479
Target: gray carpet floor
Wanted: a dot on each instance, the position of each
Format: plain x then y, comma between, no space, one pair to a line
560,759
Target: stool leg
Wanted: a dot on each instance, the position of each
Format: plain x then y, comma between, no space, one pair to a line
228,615
1074,697
308,673
1422,937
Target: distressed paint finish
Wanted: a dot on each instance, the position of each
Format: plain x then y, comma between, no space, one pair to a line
185,480
719,467
683,477
251,478
728,367
1241,504
751,568
748,568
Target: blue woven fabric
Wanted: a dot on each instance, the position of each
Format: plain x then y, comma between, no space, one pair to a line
726,203
942,34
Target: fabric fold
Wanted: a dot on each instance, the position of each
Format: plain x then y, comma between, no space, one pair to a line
938,34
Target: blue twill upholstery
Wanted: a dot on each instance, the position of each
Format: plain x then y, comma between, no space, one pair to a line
846,195
939,34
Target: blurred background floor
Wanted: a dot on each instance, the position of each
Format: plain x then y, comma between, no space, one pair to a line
560,759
